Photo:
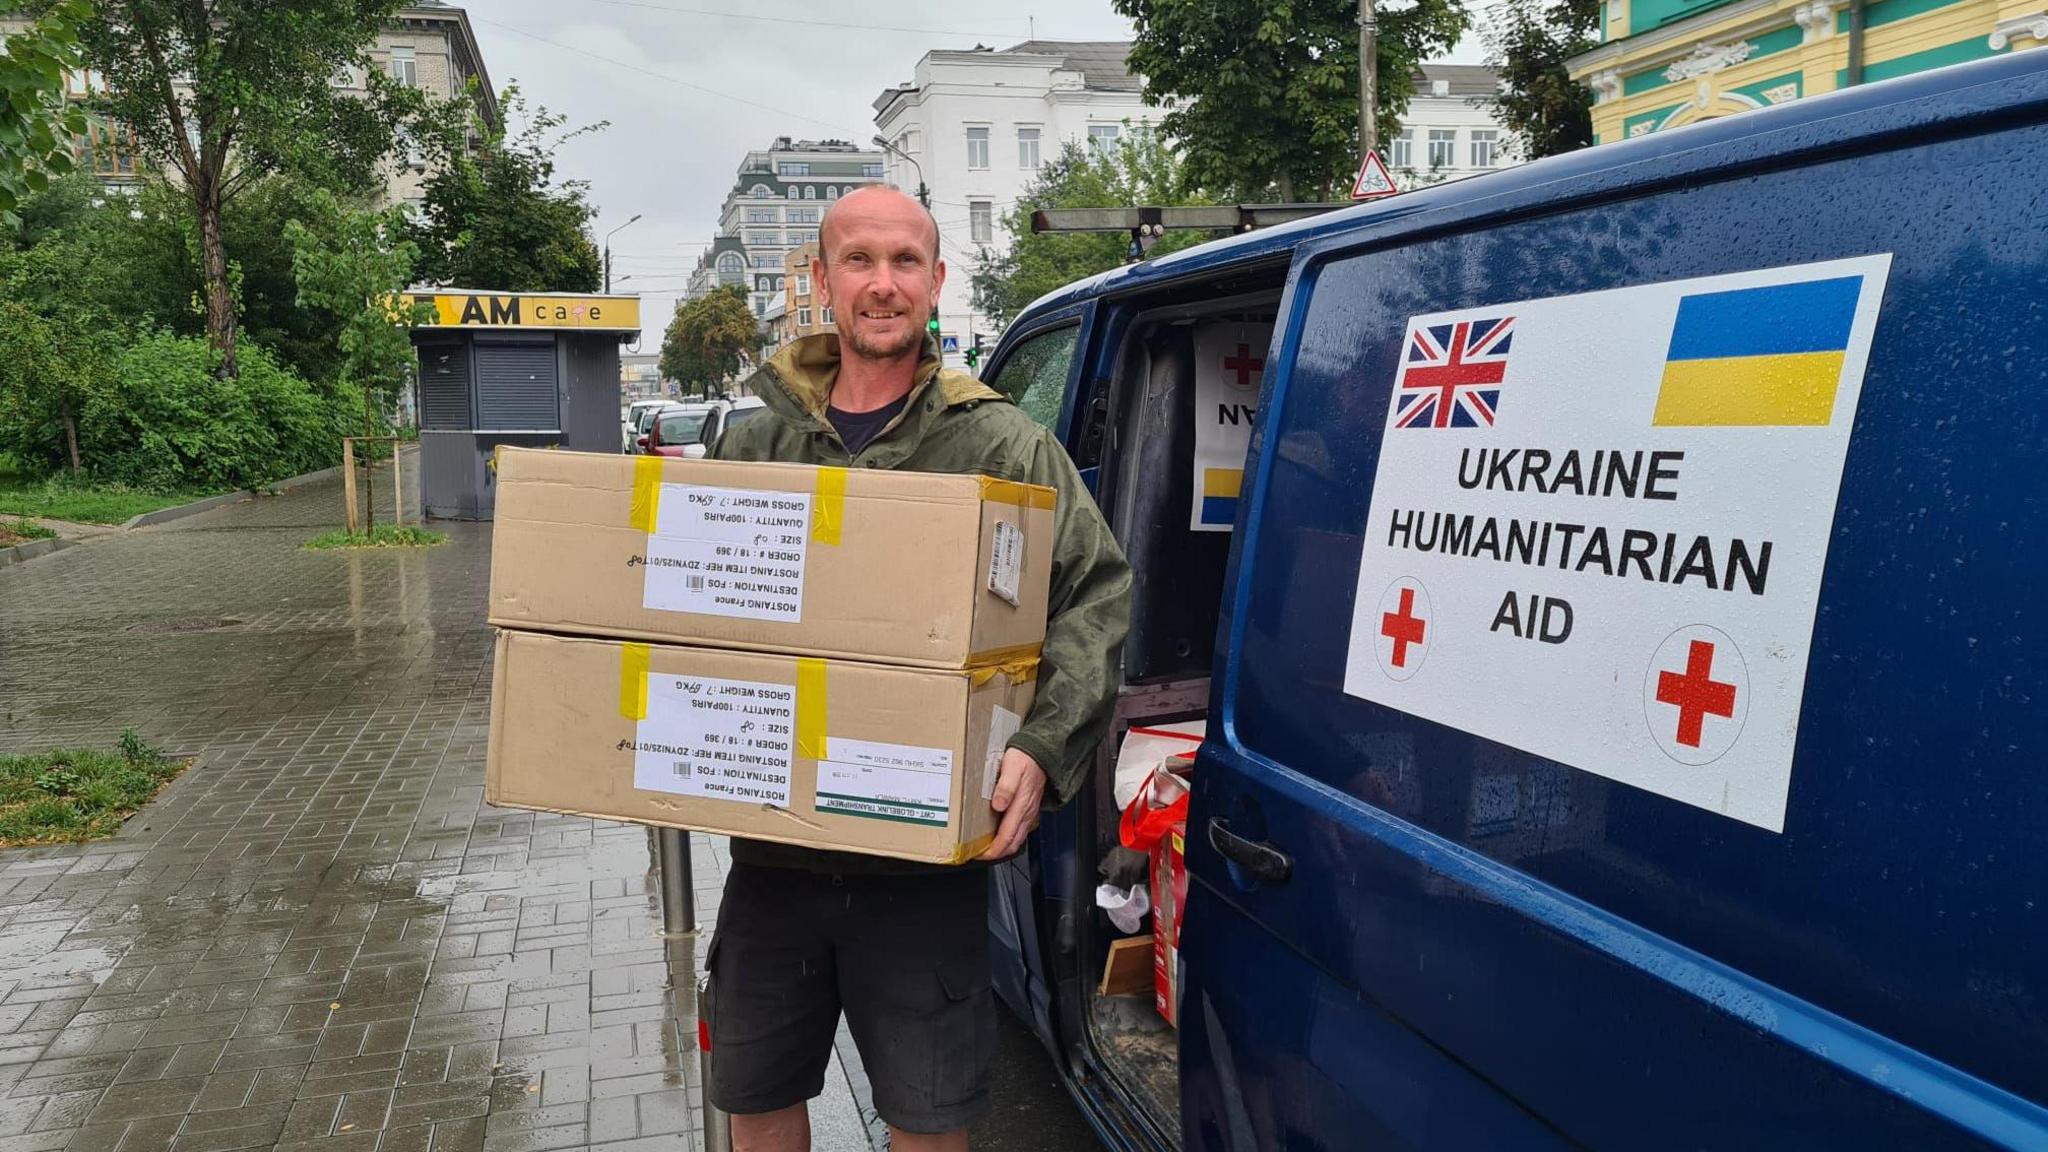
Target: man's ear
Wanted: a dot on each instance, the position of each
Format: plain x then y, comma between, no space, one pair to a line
818,285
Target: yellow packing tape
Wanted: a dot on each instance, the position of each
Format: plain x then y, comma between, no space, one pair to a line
1018,672
828,505
633,662
810,709
646,492
1011,492
972,848
1010,655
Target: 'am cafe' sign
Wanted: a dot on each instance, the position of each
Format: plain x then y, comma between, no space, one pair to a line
457,309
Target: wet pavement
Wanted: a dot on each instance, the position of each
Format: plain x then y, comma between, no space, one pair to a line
319,937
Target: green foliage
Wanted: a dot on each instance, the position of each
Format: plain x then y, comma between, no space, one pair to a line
1528,44
710,339
168,420
381,536
225,94
350,262
72,795
1142,170
15,531
496,217
36,124
82,500
1262,95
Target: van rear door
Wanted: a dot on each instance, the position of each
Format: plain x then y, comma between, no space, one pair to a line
1601,885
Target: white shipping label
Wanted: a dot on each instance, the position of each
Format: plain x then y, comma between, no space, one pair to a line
1006,562
1002,724
906,783
728,552
1599,523
1230,363
718,739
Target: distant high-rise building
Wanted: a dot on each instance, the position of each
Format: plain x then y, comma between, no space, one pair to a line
778,197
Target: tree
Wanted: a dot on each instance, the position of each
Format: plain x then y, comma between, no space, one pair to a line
496,218
354,265
710,338
36,124
56,353
1528,44
224,92
1142,171
1262,95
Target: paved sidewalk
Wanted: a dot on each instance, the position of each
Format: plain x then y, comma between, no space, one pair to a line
320,938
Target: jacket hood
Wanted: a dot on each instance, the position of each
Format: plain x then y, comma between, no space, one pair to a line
796,382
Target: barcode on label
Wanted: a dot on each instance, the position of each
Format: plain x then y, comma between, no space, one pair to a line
680,769
693,581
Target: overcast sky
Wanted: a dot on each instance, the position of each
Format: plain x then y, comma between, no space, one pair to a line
689,86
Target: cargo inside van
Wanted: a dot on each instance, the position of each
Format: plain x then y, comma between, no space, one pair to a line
1169,491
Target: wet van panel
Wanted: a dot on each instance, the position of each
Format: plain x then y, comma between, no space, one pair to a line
1681,902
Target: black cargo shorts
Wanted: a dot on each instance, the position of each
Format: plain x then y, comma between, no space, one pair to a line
905,957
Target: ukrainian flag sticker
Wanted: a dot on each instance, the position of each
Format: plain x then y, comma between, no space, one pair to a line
1756,357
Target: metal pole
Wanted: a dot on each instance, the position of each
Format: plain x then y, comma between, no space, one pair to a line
717,1125
678,895
1368,65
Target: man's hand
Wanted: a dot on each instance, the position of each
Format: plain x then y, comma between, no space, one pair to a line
1020,789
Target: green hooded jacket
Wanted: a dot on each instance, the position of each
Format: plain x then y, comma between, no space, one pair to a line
955,423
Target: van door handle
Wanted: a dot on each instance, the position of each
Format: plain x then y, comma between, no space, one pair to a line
1266,863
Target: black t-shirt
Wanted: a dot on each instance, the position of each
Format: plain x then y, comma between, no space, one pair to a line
857,428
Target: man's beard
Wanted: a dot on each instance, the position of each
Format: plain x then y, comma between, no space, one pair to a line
869,349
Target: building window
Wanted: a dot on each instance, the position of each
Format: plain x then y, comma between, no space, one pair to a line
1443,147
792,168
729,262
827,317
803,215
761,192
803,317
802,236
405,66
981,221
1484,143
106,149
1027,148
871,171
1404,149
831,192
760,306
977,147
767,260
760,239
1102,139
760,215
803,285
810,193
792,192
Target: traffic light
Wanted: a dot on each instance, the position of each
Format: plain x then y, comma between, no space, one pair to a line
931,326
974,352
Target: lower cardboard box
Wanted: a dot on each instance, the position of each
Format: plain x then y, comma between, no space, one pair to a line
871,758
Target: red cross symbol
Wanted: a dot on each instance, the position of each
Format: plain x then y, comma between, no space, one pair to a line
1244,364
1695,692
1403,627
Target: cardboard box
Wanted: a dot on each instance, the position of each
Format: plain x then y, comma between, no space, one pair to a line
889,761
1169,896
937,571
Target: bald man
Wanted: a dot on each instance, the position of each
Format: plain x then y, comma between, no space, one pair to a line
900,948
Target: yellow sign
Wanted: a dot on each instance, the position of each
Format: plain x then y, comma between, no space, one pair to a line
528,310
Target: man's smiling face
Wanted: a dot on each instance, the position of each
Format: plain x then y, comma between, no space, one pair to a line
879,267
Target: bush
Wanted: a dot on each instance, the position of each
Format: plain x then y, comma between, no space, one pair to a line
166,421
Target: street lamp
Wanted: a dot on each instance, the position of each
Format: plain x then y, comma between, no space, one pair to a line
924,195
608,252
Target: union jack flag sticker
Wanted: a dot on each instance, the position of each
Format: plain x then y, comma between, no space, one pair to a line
1451,374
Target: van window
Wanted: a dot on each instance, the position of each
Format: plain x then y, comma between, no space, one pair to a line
1034,374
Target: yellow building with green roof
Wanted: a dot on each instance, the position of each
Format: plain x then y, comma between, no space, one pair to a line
1665,63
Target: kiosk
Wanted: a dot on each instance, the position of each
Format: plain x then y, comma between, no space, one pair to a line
530,369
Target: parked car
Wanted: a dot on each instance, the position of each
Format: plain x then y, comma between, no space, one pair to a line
1606,587
675,430
724,414
634,424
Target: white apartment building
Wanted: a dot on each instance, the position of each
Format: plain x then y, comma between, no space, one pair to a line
977,125
1449,132
777,200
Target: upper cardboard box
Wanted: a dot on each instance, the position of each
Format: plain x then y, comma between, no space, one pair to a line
924,569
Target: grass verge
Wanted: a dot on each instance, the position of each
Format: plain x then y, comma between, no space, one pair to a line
72,795
61,498
382,536
14,532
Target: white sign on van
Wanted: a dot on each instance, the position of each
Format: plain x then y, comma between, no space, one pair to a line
1599,524
1230,361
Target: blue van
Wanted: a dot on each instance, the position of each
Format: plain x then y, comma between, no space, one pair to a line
1625,692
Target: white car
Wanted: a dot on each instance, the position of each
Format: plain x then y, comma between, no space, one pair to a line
724,414
634,424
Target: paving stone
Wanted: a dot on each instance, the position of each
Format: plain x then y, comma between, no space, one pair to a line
319,939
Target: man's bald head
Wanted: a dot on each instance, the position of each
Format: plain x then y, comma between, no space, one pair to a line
877,203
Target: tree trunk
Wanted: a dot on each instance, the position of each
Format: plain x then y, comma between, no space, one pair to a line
71,438
1286,183
369,470
220,299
